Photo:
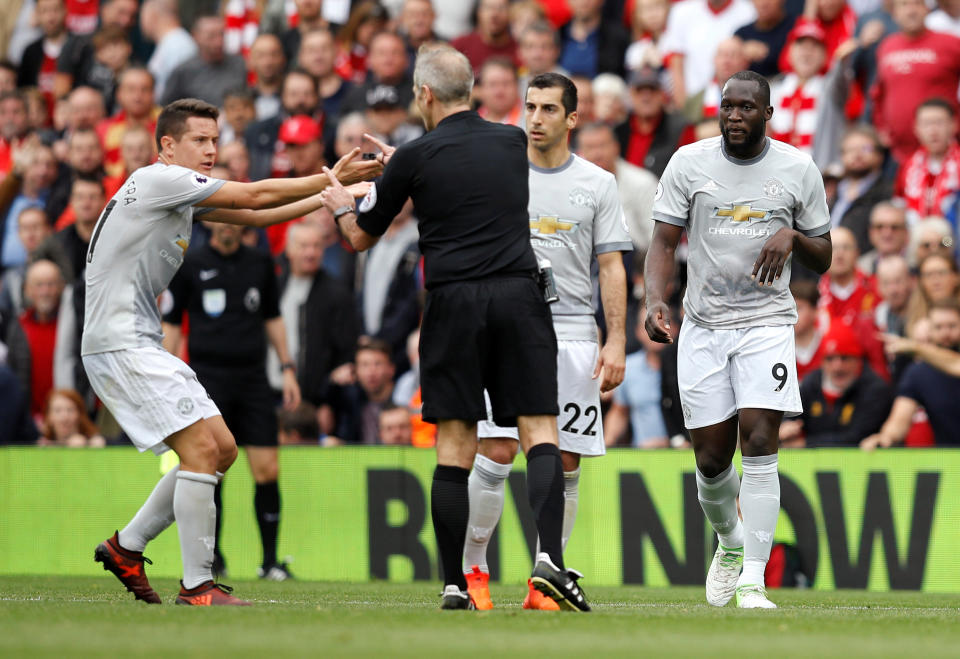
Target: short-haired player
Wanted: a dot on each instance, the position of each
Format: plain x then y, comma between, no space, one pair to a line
574,213
749,205
137,245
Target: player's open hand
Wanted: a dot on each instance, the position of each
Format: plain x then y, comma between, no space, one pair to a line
611,365
657,323
349,170
335,196
773,257
385,149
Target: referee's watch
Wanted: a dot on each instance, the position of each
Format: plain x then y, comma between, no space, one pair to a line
288,366
340,212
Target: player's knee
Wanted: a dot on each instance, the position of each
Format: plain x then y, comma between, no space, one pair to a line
227,454
203,454
711,463
759,441
500,451
267,473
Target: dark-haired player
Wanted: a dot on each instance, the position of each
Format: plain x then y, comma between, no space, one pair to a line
748,204
137,246
575,213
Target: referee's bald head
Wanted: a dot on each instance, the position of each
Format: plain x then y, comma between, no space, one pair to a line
445,71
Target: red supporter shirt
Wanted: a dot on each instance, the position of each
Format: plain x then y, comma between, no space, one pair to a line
82,16
924,191
640,142
910,71
478,52
42,338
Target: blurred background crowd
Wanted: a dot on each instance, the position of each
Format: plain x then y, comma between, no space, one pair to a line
868,88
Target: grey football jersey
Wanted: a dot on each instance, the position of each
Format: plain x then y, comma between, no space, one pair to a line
730,208
575,213
137,245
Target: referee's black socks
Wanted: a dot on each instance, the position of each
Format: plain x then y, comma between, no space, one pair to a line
266,503
450,508
545,491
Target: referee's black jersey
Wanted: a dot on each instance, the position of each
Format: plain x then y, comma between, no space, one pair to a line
227,299
468,179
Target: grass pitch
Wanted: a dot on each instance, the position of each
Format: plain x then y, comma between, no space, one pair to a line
95,617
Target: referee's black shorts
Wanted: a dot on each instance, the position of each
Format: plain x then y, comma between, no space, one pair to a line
495,334
245,400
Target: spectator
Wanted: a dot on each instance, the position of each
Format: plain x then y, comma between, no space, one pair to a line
8,76
862,185
730,57
693,31
765,38
317,55
609,99
85,109
939,281
39,169
539,52
798,96
524,13
298,96
32,229
492,36
65,422
652,133
135,100
16,425
498,92
648,23
408,384
210,75
923,385
239,111
32,338
267,64
387,115
14,127
931,175
888,236
416,26
945,19
111,54
584,87
394,427
932,235
843,401
68,247
388,66
84,158
834,17
357,423
300,136
598,144
298,426
355,40
590,45
912,66
160,23
136,150
77,55
807,335
318,313
39,63
309,18
895,284
236,159
636,402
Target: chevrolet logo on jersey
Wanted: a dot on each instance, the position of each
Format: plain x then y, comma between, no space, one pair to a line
741,213
551,224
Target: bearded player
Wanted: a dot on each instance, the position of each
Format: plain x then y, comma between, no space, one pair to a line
749,204
574,213
137,246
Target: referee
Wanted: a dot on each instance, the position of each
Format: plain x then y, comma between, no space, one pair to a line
229,294
486,323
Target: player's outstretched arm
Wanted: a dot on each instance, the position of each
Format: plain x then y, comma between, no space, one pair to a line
270,216
274,192
657,273
613,292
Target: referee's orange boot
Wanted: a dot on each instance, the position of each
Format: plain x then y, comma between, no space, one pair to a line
538,601
478,586
209,594
127,566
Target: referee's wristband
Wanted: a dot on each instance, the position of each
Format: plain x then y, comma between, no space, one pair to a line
340,212
288,366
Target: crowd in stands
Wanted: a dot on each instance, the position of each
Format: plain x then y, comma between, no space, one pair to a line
868,88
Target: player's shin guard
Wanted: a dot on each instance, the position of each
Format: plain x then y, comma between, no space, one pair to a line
196,522
571,496
486,487
545,491
718,498
760,503
154,516
266,503
450,508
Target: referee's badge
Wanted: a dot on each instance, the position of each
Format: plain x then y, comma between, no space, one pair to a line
252,300
369,200
214,302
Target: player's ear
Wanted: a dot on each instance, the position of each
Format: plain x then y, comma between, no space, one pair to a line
767,113
166,141
572,120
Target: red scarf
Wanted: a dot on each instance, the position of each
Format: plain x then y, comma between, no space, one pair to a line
925,191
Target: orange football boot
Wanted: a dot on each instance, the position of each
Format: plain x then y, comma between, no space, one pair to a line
478,585
127,566
537,600
209,594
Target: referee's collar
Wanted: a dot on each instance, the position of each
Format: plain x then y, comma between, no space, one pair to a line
458,116
740,161
553,170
